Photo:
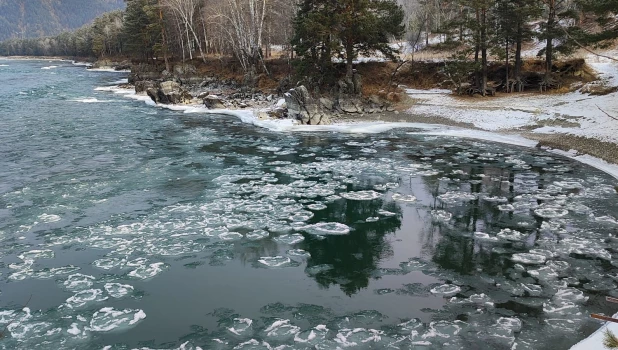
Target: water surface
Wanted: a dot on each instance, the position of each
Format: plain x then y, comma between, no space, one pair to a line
127,226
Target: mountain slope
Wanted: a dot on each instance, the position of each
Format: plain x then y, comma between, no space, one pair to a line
35,18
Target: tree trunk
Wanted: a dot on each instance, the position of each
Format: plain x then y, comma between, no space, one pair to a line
549,49
349,52
518,44
484,51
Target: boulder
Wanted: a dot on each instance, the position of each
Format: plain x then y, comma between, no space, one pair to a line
144,85
304,108
327,103
169,92
213,102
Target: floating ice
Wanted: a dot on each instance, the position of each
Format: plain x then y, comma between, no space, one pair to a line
36,254
85,297
290,239
446,290
241,326
528,258
358,336
484,237
257,235
441,215
28,331
312,336
495,199
301,216
277,261
117,290
299,253
49,218
506,207
455,197
443,329
231,236
386,213
148,271
317,206
511,235
327,228
79,281
372,219
551,213
108,319
361,195
408,198
281,330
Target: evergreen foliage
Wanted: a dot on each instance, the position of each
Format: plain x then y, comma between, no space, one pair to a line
344,29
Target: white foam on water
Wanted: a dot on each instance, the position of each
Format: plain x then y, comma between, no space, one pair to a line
4,65
529,259
49,67
108,319
36,254
90,100
281,330
109,70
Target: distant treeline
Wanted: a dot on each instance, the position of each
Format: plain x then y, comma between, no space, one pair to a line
21,19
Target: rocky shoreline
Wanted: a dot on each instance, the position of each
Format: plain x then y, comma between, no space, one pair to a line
185,85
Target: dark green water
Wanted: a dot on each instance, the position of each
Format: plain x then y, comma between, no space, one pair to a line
127,226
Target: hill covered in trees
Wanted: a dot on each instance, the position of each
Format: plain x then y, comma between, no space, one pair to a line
37,18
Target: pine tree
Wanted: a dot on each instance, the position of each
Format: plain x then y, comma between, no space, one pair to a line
325,29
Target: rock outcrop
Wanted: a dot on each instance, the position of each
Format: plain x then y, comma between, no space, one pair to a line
169,92
213,102
306,109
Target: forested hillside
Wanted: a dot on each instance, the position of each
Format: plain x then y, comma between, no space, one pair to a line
36,18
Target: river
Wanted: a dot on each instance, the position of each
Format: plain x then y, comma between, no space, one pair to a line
127,226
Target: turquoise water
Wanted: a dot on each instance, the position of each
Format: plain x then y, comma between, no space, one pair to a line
125,226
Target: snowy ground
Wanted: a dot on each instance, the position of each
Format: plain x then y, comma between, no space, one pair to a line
573,113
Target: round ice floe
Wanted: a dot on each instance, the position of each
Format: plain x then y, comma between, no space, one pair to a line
281,330
28,331
327,228
529,259
358,336
290,239
36,254
506,207
454,197
78,281
312,336
446,290
510,235
85,297
276,261
443,329
301,216
372,219
408,198
231,236
299,253
317,206
493,199
55,271
551,213
49,218
361,195
117,290
108,319
386,213
482,236
257,235
241,327
441,215
148,271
